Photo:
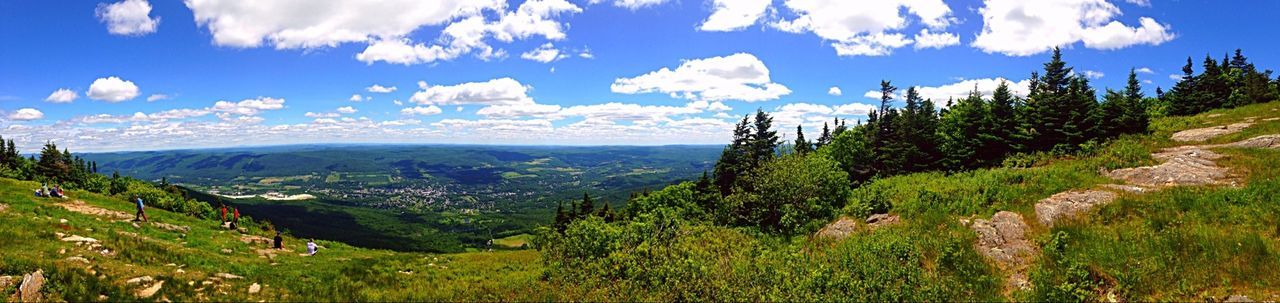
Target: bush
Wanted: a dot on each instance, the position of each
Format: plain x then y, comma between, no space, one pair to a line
791,193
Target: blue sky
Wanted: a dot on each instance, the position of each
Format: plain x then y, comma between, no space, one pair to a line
232,73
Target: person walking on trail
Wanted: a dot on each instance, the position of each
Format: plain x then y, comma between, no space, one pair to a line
279,241
142,214
224,214
235,217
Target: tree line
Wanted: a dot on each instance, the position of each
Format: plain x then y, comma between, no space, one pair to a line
56,167
791,187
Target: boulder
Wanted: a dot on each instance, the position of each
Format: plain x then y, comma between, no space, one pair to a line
878,220
1183,166
150,291
1238,299
839,229
138,280
1267,141
1070,203
80,240
227,276
255,288
29,290
1003,239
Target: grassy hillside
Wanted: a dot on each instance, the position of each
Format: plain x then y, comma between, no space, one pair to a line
1179,243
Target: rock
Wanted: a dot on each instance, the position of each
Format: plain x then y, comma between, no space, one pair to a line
1267,141
878,220
171,227
29,290
1070,203
142,279
179,271
79,240
1271,119
3,207
1127,188
63,221
1003,238
839,229
251,239
5,281
78,259
255,288
1201,134
227,276
226,250
150,291
1183,166
1238,299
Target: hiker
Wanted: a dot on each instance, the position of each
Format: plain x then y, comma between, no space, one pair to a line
57,192
39,193
224,214
141,212
279,241
44,189
235,217
311,247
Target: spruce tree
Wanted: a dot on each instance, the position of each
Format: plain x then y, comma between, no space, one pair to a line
1183,98
1050,117
733,161
764,142
587,207
825,138
918,128
802,146
962,131
1136,119
1003,121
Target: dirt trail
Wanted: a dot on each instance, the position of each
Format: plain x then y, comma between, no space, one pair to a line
80,207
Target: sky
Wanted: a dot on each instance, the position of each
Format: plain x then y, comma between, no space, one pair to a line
98,76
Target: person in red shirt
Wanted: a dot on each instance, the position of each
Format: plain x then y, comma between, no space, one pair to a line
235,217
224,214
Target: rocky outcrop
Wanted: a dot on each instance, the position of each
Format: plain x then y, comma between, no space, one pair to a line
1182,167
1003,239
845,226
1201,134
1070,203
1267,141
879,220
80,207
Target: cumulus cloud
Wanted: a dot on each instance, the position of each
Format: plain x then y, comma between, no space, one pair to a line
128,17
959,90
1144,70
1024,28
867,28
532,18
631,4
62,95
359,98
347,110
157,97
380,89
26,114
546,53
812,116
732,15
739,76
518,110
502,91
321,115
421,110
112,89
1091,74
834,91
926,39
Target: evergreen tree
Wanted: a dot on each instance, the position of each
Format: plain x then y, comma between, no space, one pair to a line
802,146
53,165
1135,118
733,161
562,219
825,138
1083,114
1050,118
1182,99
963,133
1212,87
587,207
764,143
1113,114
1003,122
918,128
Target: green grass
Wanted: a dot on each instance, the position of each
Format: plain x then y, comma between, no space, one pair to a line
516,241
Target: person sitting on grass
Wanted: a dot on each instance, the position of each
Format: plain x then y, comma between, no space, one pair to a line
311,247
57,192
279,241
141,211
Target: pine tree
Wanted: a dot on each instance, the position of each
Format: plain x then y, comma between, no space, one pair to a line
764,143
733,161
1212,87
802,146
1003,121
1113,114
918,128
53,164
1182,99
1136,119
1050,117
587,207
962,131
825,138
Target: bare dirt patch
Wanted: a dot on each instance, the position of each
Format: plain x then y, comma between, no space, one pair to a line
1070,203
1003,239
1201,134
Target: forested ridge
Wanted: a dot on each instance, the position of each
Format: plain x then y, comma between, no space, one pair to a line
741,232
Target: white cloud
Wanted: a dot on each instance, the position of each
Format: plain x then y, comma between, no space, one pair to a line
397,102
1024,28
1144,70
380,89
321,115
646,114
732,15
359,98
708,106
248,107
853,109
926,39
545,54
1092,74
632,4
531,19
421,110
157,97
128,17
959,90
586,54
112,89
1142,3
503,91
518,110
735,77
26,114
867,28
347,110
834,91
1175,77
62,95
